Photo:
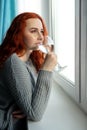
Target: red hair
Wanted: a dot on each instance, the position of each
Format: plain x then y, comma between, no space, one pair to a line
13,42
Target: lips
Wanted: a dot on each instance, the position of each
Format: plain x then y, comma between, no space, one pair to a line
38,44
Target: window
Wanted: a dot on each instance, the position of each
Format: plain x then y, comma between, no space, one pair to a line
65,36
29,5
62,29
68,28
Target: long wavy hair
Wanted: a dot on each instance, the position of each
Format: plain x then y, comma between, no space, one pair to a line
13,41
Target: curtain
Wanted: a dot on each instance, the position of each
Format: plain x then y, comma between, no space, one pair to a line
7,13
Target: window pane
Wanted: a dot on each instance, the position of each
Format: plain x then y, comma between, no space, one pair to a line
29,6
65,37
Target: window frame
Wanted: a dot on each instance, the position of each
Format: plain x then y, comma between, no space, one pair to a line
77,91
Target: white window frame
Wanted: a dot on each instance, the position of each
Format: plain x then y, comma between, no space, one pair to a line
83,88
78,91
63,82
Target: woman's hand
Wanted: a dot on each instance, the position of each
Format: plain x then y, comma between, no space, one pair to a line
18,114
50,62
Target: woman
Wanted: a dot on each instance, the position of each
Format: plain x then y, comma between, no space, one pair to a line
25,75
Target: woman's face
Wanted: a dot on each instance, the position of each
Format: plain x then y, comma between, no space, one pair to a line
33,33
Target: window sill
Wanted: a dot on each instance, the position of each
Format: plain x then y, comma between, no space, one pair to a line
65,84
61,113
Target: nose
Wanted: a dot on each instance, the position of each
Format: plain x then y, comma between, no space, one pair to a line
40,36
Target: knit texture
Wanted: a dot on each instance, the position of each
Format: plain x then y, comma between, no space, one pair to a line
17,85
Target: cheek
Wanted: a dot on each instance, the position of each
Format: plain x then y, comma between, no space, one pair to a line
28,40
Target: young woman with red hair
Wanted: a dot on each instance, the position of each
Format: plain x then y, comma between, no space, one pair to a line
25,74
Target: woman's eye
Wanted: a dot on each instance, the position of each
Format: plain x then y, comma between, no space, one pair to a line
42,32
35,31
32,31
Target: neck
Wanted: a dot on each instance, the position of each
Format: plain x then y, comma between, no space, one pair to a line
26,56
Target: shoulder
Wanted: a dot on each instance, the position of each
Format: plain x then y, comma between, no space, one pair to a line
14,62
14,59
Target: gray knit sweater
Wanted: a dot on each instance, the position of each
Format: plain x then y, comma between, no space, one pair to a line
17,86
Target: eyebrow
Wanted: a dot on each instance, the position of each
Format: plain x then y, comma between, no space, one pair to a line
36,28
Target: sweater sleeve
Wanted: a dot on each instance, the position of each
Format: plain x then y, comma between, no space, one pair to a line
19,81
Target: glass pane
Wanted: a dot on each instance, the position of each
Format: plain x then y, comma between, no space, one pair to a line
65,37
29,6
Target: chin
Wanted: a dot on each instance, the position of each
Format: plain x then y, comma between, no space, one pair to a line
35,48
